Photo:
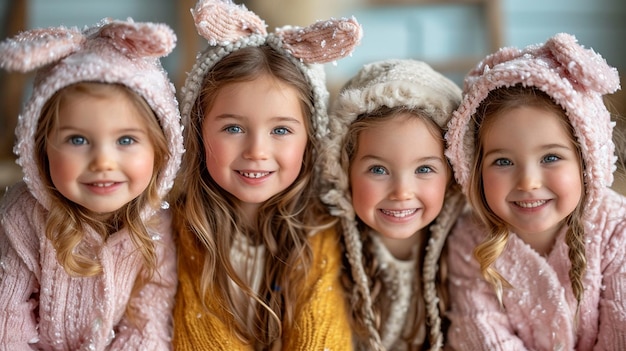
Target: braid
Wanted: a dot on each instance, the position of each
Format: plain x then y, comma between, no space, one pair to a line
577,254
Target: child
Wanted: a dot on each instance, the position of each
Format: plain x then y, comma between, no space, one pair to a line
393,190
86,253
531,147
259,264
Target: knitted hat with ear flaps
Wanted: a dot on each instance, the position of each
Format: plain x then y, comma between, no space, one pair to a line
574,77
391,83
121,52
229,27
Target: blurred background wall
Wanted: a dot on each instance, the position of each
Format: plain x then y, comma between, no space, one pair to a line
452,35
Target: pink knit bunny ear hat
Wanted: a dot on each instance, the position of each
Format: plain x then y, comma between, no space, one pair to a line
122,52
576,78
229,27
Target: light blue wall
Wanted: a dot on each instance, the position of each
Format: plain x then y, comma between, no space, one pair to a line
434,32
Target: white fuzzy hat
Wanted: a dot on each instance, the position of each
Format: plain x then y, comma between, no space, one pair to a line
391,83
574,77
122,52
229,27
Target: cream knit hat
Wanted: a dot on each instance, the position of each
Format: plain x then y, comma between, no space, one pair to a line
575,78
122,52
391,83
229,27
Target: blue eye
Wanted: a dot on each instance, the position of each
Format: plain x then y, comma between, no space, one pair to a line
503,162
233,129
424,169
126,140
551,158
77,140
378,170
281,131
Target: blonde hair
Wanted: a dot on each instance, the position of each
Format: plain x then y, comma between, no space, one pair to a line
497,102
372,269
66,222
283,221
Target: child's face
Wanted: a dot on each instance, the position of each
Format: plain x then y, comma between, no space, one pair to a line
398,177
531,172
255,136
100,154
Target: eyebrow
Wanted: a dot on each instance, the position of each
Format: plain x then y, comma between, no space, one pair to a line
542,148
120,131
426,159
284,119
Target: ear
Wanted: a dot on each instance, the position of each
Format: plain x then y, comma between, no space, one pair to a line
221,22
140,39
36,48
323,41
585,66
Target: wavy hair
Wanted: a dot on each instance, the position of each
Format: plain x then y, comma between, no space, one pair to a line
497,102
67,222
283,222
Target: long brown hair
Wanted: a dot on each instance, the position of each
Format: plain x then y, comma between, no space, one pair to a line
493,245
283,221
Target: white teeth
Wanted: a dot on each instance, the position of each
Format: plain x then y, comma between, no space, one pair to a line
531,204
399,214
254,174
101,185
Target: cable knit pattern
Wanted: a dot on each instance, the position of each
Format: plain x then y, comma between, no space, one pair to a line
321,322
400,281
42,306
539,310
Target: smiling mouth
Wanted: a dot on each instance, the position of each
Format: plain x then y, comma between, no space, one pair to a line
102,185
530,204
399,214
254,175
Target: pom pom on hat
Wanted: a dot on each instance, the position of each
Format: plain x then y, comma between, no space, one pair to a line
114,52
576,78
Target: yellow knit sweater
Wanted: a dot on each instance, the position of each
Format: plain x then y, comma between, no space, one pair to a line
321,322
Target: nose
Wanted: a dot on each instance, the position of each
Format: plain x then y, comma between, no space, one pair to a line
529,179
402,189
256,148
102,160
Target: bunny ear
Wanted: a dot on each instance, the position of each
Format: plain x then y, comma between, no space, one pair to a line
35,48
222,22
323,41
586,67
140,39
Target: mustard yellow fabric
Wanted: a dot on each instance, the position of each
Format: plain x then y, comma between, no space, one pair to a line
321,322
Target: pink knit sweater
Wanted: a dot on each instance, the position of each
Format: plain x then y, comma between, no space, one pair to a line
538,312
42,307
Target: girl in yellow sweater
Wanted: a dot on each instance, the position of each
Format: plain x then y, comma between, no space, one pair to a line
259,260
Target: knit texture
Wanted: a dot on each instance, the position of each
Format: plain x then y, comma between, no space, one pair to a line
121,52
41,306
79,313
320,324
575,77
390,83
538,312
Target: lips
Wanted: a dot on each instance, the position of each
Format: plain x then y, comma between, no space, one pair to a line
530,204
399,213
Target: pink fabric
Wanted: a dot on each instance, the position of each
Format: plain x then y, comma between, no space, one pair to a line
42,307
538,312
